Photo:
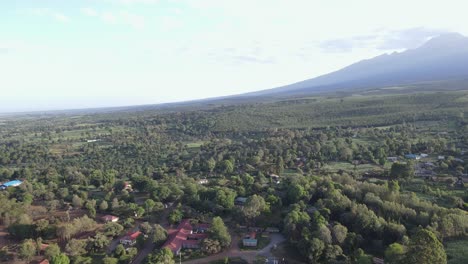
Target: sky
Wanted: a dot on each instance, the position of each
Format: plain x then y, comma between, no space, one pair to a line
70,54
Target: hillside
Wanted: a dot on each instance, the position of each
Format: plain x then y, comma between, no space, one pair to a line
441,58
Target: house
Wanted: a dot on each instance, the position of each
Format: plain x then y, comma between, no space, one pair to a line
412,156
203,181
240,200
458,160
275,178
377,260
127,186
272,230
429,165
110,218
130,238
392,159
250,240
10,184
201,228
184,237
440,157
45,261
460,183
43,247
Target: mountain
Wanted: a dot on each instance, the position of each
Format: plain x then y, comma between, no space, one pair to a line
444,57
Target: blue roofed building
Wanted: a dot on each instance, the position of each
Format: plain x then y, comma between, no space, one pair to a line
10,184
250,240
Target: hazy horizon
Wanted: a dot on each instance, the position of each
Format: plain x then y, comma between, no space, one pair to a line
90,54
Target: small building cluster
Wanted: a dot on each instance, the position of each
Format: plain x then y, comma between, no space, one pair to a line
250,240
413,156
240,201
186,236
130,238
110,218
275,178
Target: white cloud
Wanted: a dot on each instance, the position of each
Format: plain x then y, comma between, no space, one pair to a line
170,23
133,2
123,18
89,11
139,1
136,21
109,17
47,12
61,17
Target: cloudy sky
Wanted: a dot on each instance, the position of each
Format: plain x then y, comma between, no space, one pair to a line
57,54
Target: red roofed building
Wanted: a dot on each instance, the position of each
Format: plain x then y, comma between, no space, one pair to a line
110,218
183,236
250,240
130,238
127,186
44,246
45,261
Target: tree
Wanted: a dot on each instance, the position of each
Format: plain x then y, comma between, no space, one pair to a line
218,231
362,257
51,251
159,234
27,250
113,229
149,205
424,247
210,164
339,233
60,259
120,250
76,247
294,222
163,256
146,228
110,260
295,192
395,253
254,206
98,242
315,250
227,166
211,246
77,201
225,198
175,216
140,241
402,170
103,206
41,226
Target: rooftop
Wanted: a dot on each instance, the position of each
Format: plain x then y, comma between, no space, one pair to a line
177,238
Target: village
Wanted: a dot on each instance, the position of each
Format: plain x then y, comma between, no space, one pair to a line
185,237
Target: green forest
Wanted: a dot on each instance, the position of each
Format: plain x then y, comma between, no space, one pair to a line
377,175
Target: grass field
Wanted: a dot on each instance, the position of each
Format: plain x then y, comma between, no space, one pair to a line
346,166
457,252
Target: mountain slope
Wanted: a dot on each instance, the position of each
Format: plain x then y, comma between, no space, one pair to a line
441,58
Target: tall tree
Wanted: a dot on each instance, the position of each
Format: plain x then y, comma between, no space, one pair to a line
425,247
254,206
163,256
218,231
60,259
27,250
